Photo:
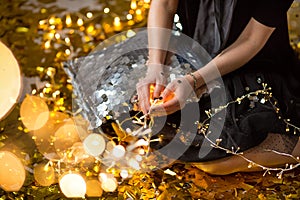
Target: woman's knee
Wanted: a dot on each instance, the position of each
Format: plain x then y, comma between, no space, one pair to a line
222,167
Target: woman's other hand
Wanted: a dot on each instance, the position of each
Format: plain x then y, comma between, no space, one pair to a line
175,95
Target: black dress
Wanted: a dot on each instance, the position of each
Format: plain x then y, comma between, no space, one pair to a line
216,24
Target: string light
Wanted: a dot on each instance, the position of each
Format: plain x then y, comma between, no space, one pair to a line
89,15
72,185
106,10
68,21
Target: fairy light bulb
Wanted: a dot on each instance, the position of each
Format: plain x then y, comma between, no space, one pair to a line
108,182
68,21
117,24
79,22
12,172
89,15
47,44
106,10
118,151
72,185
133,4
124,174
94,144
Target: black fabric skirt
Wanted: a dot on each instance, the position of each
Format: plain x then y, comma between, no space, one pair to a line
246,124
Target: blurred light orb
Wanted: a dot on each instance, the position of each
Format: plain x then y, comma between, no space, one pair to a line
34,112
10,80
44,137
93,188
118,151
66,136
124,173
73,186
94,144
78,152
44,174
134,164
108,182
12,172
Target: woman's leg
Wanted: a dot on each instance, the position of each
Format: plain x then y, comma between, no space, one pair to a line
277,142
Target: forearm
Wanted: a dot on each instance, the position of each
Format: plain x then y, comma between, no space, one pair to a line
160,21
250,42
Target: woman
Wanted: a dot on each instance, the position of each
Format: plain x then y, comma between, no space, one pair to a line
248,40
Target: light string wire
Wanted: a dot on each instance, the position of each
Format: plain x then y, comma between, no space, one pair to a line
266,91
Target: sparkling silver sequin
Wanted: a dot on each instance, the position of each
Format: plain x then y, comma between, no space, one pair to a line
105,81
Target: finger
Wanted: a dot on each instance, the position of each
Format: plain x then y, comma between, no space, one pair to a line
157,91
167,92
143,96
157,111
165,108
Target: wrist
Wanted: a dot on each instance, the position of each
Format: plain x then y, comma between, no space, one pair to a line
195,80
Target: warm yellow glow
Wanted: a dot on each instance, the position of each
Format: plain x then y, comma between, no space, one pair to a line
44,174
106,10
68,20
34,112
12,172
118,151
108,182
44,137
57,36
68,52
43,10
52,20
10,80
79,22
117,24
133,4
67,40
93,188
138,11
73,185
66,136
47,44
42,22
129,16
90,28
117,21
94,144
50,35
89,15
147,1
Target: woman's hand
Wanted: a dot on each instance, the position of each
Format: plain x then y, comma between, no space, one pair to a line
156,76
175,96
